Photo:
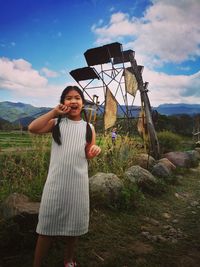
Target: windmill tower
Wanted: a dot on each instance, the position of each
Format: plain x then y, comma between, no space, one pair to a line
114,77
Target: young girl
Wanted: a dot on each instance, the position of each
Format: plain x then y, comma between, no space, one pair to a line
64,208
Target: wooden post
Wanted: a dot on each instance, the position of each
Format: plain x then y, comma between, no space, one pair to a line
154,144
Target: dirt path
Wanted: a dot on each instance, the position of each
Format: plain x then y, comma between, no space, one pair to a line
162,231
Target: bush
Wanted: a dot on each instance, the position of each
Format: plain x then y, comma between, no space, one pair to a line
114,158
169,141
131,197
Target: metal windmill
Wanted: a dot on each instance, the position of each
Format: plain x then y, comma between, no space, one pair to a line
115,75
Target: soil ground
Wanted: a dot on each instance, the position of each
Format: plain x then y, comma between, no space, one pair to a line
161,231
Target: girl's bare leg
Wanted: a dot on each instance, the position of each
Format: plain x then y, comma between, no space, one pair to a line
70,248
42,247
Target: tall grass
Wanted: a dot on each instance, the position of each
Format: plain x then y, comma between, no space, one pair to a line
116,157
26,171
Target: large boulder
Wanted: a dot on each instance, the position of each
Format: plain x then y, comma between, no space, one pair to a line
105,189
140,176
145,161
18,205
187,159
19,219
167,163
163,168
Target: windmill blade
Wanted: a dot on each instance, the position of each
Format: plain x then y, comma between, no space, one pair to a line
131,84
110,112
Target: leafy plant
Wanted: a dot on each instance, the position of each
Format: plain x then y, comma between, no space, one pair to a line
130,198
169,141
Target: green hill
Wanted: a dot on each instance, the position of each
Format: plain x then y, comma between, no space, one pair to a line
15,112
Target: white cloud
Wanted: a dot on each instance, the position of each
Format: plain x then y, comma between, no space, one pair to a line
168,31
164,88
23,82
49,73
28,86
120,25
18,74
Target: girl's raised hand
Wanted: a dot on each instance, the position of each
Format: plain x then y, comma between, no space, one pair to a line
62,109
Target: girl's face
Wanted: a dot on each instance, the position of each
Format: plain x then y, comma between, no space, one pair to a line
74,101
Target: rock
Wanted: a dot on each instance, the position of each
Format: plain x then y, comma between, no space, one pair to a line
18,204
142,177
175,221
166,215
194,203
145,161
193,212
186,159
105,188
151,221
19,220
161,239
146,234
161,170
170,166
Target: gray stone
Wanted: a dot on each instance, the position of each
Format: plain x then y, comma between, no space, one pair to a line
145,161
186,159
18,204
161,170
140,176
105,188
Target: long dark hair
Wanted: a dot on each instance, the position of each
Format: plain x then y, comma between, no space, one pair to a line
56,129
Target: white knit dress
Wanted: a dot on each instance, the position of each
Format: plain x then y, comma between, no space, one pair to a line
64,208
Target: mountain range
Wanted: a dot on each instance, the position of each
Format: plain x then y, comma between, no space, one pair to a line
16,113
176,109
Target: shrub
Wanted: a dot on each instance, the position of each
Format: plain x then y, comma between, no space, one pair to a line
114,158
131,197
169,141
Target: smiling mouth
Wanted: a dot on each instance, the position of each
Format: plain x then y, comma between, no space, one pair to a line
74,108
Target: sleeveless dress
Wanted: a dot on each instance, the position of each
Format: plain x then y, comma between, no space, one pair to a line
64,207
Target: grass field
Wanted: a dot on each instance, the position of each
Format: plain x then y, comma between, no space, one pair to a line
13,140
23,139
115,238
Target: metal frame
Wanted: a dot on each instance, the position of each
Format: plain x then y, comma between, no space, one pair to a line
111,61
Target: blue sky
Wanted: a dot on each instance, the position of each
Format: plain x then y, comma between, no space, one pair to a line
42,40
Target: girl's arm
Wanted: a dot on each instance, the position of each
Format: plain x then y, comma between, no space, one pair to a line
92,150
46,122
